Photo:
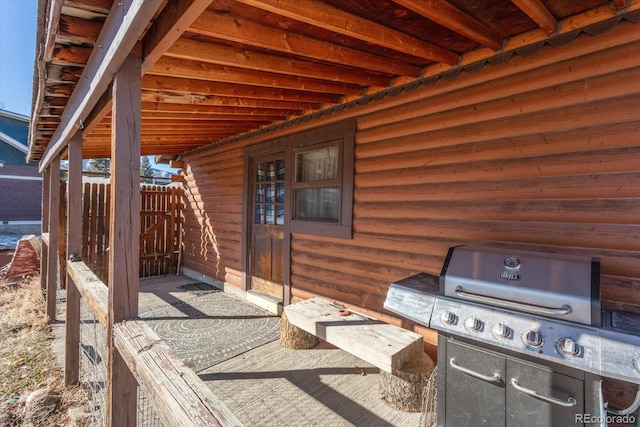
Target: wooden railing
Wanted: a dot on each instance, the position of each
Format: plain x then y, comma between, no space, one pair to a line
178,396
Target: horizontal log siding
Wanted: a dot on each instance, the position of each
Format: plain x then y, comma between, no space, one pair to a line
213,213
545,159
541,153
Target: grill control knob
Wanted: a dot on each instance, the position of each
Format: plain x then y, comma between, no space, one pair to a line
473,324
568,347
501,331
533,339
448,318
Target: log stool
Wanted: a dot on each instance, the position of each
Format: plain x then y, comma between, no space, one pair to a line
403,388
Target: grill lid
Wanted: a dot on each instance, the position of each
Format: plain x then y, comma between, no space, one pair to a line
555,285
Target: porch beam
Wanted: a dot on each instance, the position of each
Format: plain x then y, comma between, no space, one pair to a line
125,24
74,249
124,229
54,236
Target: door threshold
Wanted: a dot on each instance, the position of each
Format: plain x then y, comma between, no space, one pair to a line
266,302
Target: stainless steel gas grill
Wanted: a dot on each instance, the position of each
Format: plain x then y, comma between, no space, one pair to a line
522,337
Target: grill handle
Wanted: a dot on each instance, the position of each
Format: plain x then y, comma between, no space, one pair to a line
549,311
566,403
495,378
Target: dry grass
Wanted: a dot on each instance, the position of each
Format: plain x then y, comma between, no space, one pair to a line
27,362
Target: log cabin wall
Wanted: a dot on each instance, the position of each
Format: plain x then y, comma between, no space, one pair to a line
541,152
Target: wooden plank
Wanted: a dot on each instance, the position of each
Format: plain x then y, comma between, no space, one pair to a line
230,28
62,240
447,15
178,395
93,290
383,345
54,236
118,36
172,229
86,203
100,242
124,229
539,13
74,249
172,22
93,225
243,58
336,20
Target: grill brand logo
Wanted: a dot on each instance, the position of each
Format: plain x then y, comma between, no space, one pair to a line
510,275
511,265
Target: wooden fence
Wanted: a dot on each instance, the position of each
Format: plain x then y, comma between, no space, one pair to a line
160,229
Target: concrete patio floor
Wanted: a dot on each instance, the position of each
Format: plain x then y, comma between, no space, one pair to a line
232,345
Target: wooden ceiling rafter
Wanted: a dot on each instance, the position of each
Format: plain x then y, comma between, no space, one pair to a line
195,109
171,67
229,101
162,84
249,33
336,20
539,13
172,22
214,53
447,15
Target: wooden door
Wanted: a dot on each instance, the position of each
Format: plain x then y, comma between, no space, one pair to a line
267,219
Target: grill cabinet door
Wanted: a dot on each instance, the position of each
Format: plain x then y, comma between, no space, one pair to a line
471,401
527,410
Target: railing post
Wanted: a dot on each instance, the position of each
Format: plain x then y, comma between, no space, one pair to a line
74,249
54,234
124,233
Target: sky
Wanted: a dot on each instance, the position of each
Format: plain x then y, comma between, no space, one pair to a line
17,53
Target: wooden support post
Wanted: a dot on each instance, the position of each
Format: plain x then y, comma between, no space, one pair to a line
124,231
74,248
44,257
54,235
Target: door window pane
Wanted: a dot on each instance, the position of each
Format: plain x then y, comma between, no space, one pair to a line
259,214
280,193
269,193
270,218
260,173
279,214
280,165
260,193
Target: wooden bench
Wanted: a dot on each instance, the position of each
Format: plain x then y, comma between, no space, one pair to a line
399,353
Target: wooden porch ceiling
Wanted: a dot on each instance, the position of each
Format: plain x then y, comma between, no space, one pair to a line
213,70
